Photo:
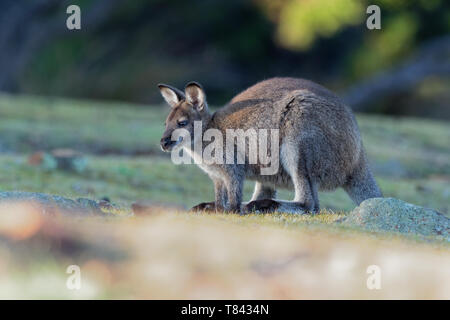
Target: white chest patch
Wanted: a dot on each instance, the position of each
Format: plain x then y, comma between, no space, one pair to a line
209,169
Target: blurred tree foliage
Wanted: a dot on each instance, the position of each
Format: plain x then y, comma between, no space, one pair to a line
299,23
126,47
405,24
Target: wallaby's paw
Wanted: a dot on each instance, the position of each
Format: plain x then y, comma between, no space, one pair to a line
204,206
260,206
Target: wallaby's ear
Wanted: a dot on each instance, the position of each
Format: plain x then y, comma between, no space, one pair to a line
172,95
195,95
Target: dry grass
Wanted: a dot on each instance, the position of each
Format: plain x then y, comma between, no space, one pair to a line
195,256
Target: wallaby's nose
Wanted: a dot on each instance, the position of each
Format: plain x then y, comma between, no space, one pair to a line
166,142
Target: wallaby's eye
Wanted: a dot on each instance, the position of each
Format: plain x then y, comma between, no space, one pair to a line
182,123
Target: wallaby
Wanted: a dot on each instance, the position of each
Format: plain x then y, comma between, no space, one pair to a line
320,145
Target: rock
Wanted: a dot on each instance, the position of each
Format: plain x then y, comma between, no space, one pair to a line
389,214
52,204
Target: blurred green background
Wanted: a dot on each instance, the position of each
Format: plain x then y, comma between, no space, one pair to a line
124,48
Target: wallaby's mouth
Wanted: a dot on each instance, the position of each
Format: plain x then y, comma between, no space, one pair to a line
168,145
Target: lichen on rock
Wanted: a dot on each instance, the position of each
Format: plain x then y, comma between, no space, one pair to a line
390,214
53,204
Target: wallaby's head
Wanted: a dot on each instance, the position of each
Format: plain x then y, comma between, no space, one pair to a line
186,107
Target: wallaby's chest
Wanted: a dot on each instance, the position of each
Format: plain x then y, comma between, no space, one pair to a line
212,170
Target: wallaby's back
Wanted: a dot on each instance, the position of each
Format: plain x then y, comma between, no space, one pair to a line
265,99
276,88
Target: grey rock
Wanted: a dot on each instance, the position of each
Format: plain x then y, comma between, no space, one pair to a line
53,204
389,214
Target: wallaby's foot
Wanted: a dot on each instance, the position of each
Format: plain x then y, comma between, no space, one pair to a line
270,205
261,206
204,206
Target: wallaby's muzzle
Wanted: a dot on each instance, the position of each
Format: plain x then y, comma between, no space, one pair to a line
167,144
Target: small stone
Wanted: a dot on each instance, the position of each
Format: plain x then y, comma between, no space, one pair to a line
145,208
140,209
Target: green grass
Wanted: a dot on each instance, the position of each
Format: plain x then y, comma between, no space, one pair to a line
30,123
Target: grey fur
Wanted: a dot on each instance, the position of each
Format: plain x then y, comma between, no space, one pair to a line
320,145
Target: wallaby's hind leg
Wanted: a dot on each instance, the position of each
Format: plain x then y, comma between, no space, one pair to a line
361,185
302,203
261,192
305,200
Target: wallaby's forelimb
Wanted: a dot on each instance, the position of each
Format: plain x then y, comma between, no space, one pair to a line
220,195
234,184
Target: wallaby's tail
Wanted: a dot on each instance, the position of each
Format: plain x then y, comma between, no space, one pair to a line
361,184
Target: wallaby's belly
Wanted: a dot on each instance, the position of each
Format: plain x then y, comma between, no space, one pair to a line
280,180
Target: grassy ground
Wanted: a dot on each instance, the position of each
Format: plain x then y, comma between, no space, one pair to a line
203,256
